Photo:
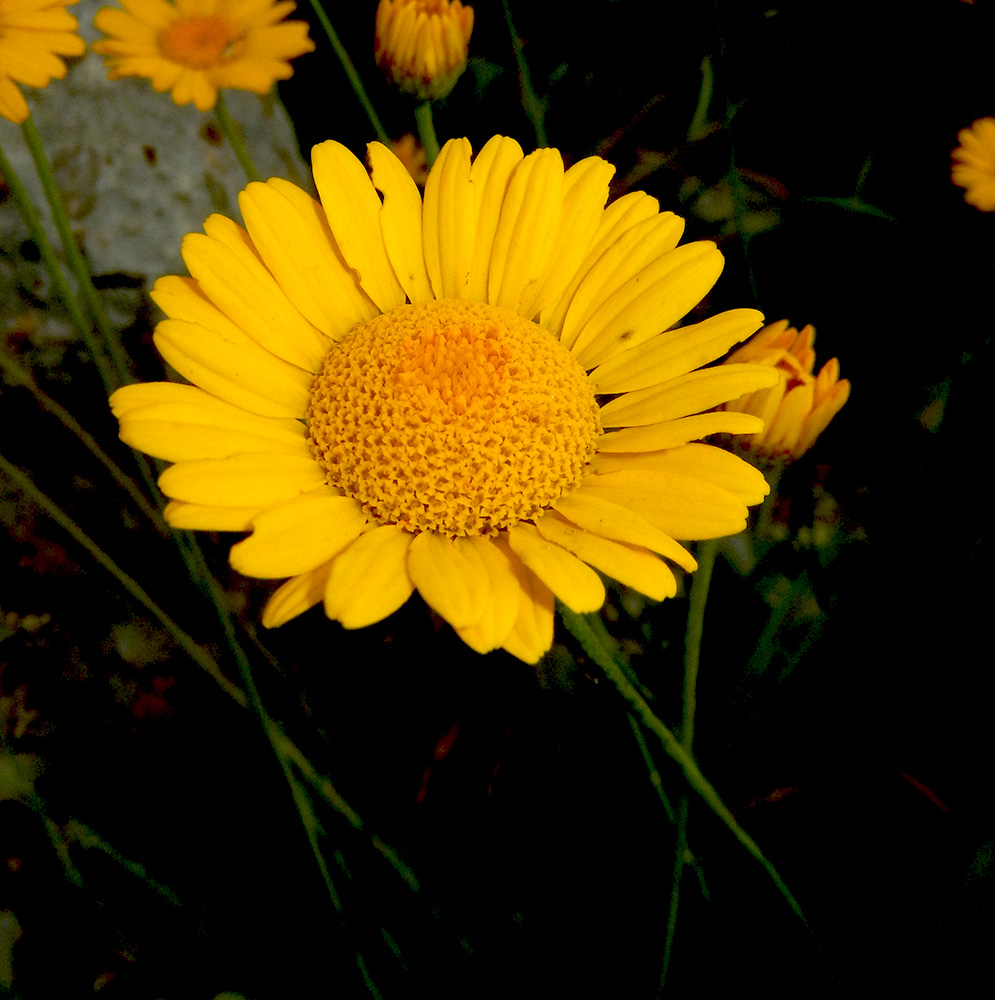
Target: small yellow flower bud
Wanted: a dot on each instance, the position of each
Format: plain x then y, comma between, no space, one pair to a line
422,44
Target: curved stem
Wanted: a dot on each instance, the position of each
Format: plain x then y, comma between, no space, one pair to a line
612,669
426,132
350,72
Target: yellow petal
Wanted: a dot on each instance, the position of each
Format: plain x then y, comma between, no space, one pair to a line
353,211
673,433
523,242
681,397
573,581
234,368
451,580
629,251
199,517
492,169
631,565
450,218
620,216
585,191
369,580
242,480
401,222
230,273
177,431
612,518
695,461
651,300
501,609
675,352
295,597
298,536
677,505
532,633
291,233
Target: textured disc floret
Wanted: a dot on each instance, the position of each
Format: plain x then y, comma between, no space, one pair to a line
453,416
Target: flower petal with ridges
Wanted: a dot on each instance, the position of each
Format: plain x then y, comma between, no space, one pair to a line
573,581
242,480
449,217
370,581
298,536
501,609
296,596
290,233
401,222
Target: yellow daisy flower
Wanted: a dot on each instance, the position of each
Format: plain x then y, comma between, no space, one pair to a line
974,164
194,48
422,45
799,407
467,394
33,34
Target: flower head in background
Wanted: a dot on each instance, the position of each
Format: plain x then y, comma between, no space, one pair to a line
33,35
799,407
422,44
470,394
974,164
194,48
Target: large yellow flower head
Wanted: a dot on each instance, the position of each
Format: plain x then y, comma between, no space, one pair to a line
33,34
799,407
422,45
974,164
477,394
195,48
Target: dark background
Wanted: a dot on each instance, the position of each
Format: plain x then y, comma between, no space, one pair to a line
861,761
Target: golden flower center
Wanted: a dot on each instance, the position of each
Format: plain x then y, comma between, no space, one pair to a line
198,42
453,416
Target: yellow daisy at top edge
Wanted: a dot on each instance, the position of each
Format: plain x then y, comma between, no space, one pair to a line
423,45
974,164
800,406
33,36
194,49
480,393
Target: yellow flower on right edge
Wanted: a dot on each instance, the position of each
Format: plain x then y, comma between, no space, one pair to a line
974,164
799,408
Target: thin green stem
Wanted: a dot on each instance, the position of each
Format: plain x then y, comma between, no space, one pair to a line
234,136
20,376
533,105
197,653
707,552
54,268
426,132
73,255
350,72
606,660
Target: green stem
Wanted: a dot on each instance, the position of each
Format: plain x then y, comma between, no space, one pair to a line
197,653
707,552
698,128
350,72
605,659
426,132
54,268
533,105
74,257
234,136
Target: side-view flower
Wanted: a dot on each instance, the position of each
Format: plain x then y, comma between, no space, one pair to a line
477,394
33,35
800,406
